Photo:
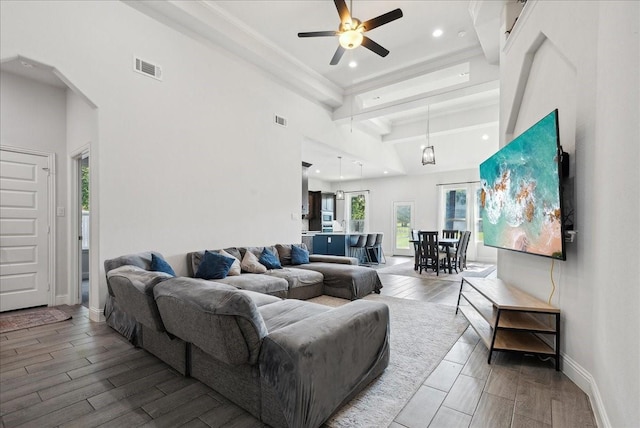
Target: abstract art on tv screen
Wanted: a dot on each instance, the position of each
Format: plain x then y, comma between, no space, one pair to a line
521,193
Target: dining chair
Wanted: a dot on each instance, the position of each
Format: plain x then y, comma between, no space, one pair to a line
463,254
455,252
430,254
415,240
449,233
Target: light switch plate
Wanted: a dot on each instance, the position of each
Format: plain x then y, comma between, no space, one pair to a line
60,211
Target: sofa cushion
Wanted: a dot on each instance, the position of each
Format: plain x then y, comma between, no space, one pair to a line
346,281
284,252
217,318
259,283
269,260
214,266
195,258
235,267
286,312
141,260
260,299
251,264
158,264
299,256
297,277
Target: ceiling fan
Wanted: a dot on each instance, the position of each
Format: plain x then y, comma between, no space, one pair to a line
351,31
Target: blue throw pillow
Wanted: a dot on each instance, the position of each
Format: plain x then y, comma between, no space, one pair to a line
214,266
269,260
158,264
299,256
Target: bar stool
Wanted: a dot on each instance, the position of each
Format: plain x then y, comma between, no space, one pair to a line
370,249
357,249
378,247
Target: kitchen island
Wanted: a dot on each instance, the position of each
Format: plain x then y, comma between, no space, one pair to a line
335,244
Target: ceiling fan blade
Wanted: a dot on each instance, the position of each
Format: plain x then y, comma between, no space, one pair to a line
343,11
318,34
382,19
374,47
336,56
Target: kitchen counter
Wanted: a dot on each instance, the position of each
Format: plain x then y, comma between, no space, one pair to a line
335,244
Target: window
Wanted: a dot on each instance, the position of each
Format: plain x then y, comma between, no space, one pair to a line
455,208
402,221
357,211
460,210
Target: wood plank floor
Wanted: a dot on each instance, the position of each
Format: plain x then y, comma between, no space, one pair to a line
78,373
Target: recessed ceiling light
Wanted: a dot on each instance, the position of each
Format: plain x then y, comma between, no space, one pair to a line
386,172
317,171
485,137
353,64
437,32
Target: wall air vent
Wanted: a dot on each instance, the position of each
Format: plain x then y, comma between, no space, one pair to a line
147,68
279,120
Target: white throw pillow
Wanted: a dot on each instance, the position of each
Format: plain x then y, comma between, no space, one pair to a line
235,267
251,264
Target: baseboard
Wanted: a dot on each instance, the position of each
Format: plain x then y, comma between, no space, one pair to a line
62,300
96,314
587,383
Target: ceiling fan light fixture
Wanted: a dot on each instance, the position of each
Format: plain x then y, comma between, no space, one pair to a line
351,39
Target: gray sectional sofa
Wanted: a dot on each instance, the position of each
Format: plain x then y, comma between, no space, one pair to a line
289,362
331,275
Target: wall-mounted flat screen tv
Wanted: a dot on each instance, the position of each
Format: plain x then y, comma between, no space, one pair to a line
521,193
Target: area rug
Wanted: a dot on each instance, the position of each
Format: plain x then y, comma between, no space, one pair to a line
473,269
16,320
421,335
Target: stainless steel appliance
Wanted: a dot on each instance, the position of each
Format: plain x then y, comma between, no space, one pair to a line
327,221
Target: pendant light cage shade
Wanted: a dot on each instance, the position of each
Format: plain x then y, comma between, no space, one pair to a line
428,156
428,153
340,193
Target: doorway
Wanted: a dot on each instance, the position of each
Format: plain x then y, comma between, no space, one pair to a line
402,224
83,227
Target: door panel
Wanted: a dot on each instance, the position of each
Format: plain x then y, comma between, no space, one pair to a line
24,230
402,224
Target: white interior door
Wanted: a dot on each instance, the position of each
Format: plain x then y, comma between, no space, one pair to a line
402,225
24,230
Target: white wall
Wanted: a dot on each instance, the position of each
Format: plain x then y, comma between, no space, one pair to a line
33,116
586,65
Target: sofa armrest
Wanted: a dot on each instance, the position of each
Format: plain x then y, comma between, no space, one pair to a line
313,365
333,259
132,288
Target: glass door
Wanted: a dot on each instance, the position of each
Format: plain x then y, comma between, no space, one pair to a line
402,225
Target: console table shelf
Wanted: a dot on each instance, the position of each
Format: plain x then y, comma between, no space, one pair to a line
508,319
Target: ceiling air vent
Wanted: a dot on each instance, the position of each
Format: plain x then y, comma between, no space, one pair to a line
279,120
147,68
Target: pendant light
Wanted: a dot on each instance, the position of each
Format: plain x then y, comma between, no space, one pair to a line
428,154
340,193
